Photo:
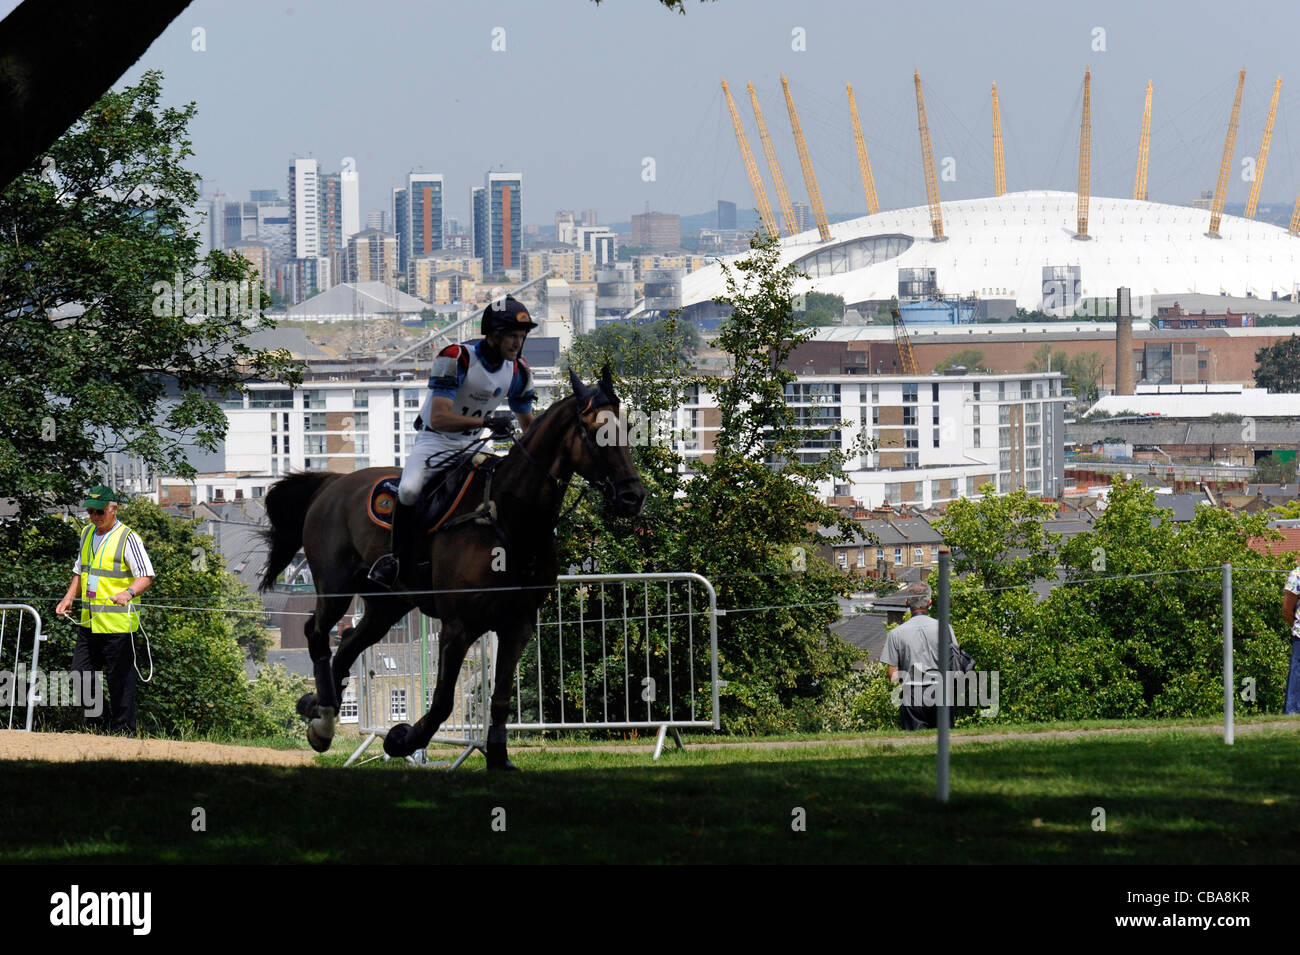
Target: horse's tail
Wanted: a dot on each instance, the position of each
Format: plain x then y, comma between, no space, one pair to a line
286,509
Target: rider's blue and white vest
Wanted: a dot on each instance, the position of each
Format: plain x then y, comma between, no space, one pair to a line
461,373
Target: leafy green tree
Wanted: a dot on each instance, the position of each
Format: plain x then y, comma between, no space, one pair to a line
1000,539
1277,366
632,349
91,343
820,309
1276,469
972,359
744,519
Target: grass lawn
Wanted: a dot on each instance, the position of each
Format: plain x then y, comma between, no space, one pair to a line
1173,797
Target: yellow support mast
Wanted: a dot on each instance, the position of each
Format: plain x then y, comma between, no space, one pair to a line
1085,158
1144,149
927,160
1295,216
751,167
809,177
1225,164
999,159
868,180
782,198
1262,160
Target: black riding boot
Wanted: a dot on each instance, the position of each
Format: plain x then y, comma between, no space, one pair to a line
387,568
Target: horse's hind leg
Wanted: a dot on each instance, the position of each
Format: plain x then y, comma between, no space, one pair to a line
453,643
510,647
324,709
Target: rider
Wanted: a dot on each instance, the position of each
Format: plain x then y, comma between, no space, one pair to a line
466,384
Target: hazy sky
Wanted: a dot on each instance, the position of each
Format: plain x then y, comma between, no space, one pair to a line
581,95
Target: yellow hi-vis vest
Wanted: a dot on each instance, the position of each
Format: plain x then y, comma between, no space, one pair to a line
109,570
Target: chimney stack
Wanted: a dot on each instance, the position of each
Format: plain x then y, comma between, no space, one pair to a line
1123,343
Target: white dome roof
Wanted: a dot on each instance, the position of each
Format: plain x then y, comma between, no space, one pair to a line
997,248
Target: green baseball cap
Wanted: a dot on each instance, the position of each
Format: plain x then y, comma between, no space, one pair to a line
99,497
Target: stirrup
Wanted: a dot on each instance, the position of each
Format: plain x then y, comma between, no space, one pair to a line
384,571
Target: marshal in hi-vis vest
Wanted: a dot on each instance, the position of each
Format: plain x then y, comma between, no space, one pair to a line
108,572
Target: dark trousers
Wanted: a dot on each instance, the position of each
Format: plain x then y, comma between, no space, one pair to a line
924,717
113,654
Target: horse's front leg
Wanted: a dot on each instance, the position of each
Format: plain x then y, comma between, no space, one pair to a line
510,647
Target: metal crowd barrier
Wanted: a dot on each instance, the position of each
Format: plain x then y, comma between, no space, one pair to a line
611,651
11,637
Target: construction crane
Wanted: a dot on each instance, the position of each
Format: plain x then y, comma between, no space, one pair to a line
809,177
760,194
868,180
782,198
1295,216
927,160
1144,149
906,357
1262,160
1085,157
1225,164
999,160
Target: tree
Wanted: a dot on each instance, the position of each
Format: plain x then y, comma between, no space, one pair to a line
99,351
820,309
633,349
744,520
1000,539
972,359
1276,469
1047,359
1277,366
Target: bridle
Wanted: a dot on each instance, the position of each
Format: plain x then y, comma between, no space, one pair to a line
606,482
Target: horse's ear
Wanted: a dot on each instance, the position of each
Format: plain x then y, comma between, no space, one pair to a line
607,383
575,382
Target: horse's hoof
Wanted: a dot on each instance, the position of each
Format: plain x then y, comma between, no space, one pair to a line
319,743
308,706
507,766
397,742
497,758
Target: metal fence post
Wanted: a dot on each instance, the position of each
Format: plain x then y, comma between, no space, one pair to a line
1227,654
945,704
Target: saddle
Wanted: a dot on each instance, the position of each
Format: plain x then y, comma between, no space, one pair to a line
440,497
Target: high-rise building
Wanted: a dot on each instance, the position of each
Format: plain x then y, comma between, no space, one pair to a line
372,257
304,215
803,216
330,211
264,195
351,200
264,220
564,227
504,206
375,220
726,214
657,231
399,213
419,221
589,217
600,242
479,222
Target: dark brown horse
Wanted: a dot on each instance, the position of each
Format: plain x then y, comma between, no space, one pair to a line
325,515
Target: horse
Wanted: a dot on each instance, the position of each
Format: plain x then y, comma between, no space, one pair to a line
509,544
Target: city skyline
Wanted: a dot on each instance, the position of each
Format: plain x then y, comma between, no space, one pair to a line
576,98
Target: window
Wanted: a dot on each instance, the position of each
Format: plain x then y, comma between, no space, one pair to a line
975,415
275,467
360,420
315,464
348,709
275,421
875,417
313,399
970,486
1002,391
1004,414
842,559
862,557
917,555
275,444
936,489
875,393
934,550
880,553
977,392
910,439
898,555
397,706
909,416
910,393
911,459
975,435
1033,458
276,398
361,444
1034,434
893,493
313,444
360,397
934,392
1026,389
1004,437
314,421
934,416
1033,412
936,437
1004,460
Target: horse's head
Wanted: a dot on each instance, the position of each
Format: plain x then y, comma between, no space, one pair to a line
606,464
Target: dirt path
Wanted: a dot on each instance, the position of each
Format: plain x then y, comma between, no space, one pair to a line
77,747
